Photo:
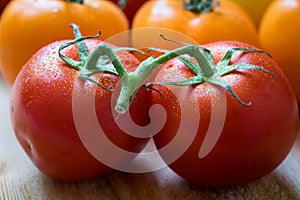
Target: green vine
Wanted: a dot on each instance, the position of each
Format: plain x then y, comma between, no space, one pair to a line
96,61
104,59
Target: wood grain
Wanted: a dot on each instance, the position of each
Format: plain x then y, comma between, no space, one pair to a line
20,180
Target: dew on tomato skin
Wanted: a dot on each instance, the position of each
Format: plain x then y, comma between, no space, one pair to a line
68,91
29,104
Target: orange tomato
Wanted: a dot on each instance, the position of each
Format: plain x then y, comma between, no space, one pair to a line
255,8
227,21
28,25
279,34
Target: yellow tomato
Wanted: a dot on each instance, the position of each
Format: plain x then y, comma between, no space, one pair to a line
279,34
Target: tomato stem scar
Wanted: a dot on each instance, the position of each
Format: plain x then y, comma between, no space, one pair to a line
75,1
200,6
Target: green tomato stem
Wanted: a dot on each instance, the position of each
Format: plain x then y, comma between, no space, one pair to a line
204,68
83,50
95,62
74,64
209,72
132,81
104,49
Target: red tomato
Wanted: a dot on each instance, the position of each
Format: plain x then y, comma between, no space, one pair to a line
41,113
255,139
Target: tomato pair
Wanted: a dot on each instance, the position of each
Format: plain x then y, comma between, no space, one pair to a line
260,110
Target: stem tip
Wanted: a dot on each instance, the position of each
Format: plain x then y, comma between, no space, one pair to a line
120,109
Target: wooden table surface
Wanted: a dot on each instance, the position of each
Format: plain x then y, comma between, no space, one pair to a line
20,180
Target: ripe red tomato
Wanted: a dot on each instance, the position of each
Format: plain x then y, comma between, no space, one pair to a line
254,140
42,115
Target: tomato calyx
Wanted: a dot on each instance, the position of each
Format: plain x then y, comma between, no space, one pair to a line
206,70
200,6
102,59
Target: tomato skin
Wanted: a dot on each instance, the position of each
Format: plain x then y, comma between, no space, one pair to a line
254,140
42,114
24,31
279,34
227,22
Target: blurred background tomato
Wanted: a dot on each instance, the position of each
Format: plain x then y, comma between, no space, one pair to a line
204,21
255,8
279,33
